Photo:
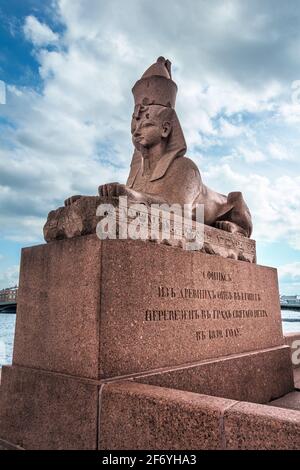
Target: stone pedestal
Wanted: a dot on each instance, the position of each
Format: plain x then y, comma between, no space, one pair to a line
45,410
91,312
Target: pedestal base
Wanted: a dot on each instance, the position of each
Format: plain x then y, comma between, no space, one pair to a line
256,377
48,410
44,410
103,309
92,312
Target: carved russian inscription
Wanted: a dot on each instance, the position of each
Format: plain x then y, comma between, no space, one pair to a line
189,294
184,307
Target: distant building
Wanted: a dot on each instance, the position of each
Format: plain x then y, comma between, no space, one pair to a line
9,294
290,299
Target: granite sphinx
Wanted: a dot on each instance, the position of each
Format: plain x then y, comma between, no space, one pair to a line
159,173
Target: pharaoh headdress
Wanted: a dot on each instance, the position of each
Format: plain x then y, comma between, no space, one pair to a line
156,87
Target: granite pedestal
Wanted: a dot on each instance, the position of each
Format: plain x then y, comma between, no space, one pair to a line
92,312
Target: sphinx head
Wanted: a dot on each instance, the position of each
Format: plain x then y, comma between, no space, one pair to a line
154,121
151,126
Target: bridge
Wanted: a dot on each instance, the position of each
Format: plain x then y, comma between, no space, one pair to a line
8,307
290,306
8,299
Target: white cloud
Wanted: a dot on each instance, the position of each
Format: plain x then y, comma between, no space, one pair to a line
38,33
290,112
229,130
2,92
291,270
251,155
274,203
289,277
10,277
278,151
234,89
199,104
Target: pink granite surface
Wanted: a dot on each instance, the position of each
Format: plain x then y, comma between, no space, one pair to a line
257,377
41,410
249,426
137,416
162,307
297,378
58,319
101,309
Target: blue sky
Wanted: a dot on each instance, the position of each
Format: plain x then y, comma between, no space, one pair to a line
68,67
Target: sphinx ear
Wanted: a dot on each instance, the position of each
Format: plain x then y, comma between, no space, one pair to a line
166,129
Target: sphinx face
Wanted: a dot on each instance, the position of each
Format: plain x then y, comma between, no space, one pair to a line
148,129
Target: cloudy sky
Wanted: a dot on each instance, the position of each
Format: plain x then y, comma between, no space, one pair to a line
68,67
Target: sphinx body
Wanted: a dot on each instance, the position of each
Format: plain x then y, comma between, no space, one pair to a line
182,184
160,173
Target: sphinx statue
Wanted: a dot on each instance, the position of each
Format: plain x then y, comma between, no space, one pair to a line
160,172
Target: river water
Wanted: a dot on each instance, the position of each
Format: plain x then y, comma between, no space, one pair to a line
290,323
7,330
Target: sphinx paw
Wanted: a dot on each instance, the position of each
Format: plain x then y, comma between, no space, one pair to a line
229,227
